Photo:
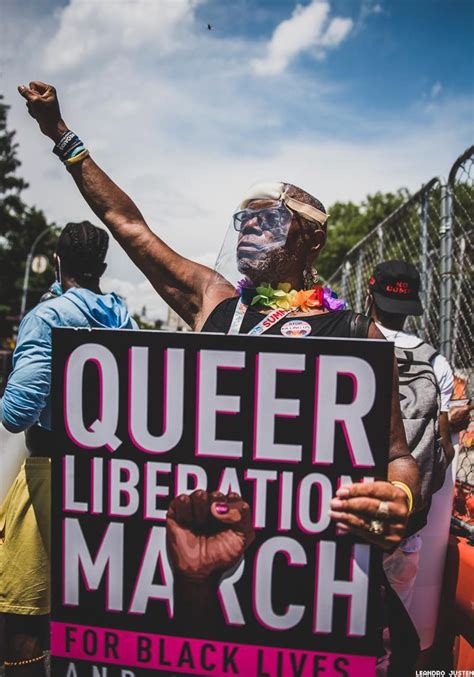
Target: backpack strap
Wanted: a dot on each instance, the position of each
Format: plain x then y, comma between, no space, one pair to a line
359,327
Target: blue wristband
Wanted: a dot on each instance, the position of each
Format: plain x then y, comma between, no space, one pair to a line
76,151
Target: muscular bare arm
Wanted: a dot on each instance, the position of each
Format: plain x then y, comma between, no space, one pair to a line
181,282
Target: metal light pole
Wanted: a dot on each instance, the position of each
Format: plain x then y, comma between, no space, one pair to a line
446,263
424,261
26,278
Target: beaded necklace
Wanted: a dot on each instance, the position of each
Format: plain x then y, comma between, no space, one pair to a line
282,300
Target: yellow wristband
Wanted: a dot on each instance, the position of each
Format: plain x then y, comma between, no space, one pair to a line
404,487
77,158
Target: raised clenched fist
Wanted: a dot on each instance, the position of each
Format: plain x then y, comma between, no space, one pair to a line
207,533
43,105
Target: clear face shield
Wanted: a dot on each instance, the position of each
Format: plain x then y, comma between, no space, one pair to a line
256,237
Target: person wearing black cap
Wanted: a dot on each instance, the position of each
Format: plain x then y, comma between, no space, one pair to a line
395,287
426,385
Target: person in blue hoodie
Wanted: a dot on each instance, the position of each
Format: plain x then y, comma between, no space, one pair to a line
75,300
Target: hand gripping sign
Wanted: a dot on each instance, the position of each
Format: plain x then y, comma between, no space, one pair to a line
243,441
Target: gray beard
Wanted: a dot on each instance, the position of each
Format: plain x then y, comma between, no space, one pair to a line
273,267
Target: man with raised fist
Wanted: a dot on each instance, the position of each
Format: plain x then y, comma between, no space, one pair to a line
279,231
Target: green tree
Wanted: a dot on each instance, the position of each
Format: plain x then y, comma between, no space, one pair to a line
19,227
144,323
349,222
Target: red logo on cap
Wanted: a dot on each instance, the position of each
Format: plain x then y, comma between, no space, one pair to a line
398,288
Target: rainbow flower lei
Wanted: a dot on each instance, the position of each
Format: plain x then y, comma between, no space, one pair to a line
289,299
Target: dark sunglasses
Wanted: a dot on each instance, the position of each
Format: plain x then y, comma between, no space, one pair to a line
275,219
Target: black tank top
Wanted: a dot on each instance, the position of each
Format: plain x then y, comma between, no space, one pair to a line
341,324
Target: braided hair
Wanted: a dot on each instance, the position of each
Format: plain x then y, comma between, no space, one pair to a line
82,248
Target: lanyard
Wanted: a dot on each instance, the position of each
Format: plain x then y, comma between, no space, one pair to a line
265,324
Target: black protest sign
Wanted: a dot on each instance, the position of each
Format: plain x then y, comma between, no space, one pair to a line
141,417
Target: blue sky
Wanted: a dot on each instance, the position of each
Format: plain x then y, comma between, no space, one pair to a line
398,54
398,48
343,97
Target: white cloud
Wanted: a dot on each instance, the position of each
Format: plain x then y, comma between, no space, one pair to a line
89,30
368,9
436,90
308,28
337,31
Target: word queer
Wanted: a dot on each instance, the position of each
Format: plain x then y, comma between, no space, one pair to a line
210,404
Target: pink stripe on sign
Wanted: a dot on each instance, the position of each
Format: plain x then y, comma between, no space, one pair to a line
195,656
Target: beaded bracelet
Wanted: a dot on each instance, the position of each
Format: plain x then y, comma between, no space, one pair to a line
26,661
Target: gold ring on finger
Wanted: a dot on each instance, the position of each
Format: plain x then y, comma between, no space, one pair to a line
383,511
376,527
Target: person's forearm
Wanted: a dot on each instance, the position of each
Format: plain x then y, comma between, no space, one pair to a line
104,197
110,203
445,434
115,209
405,469
6,425
17,420
402,466
29,384
459,418
178,280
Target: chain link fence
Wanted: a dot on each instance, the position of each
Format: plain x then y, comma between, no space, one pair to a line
433,230
456,313
410,233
